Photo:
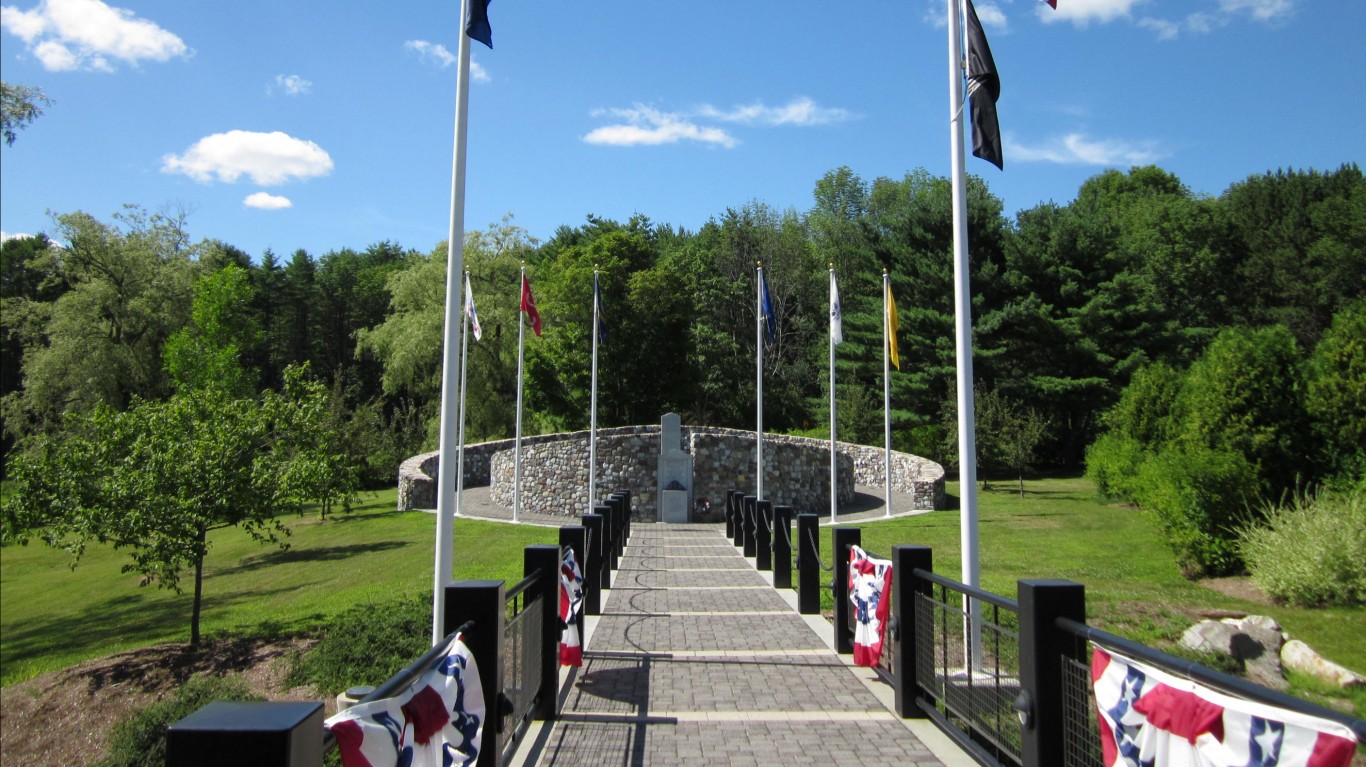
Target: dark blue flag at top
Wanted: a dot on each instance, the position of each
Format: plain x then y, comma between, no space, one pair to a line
769,320
599,314
477,25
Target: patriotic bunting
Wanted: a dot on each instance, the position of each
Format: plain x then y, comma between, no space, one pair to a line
571,606
1149,718
436,722
870,589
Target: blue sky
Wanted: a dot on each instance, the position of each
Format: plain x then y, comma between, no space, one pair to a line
322,125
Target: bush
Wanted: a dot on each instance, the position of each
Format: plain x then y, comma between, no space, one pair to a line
1311,552
366,644
1335,395
1202,500
1112,462
140,739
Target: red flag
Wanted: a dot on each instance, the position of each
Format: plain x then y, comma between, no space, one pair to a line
1052,3
529,306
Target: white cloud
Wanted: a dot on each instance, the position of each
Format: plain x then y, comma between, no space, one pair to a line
800,111
267,201
291,85
7,236
1083,12
1261,10
438,54
267,159
1166,30
646,126
991,16
1079,149
87,34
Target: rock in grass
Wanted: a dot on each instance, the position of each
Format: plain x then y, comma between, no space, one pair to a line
1298,656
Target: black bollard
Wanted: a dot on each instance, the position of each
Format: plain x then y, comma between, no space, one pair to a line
782,547
751,505
763,544
844,537
808,566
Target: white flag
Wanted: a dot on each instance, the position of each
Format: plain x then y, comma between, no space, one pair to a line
836,317
469,309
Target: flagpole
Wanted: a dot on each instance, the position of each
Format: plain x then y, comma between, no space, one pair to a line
886,393
464,377
517,448
967,440
593,407
759,383
444,555
834,495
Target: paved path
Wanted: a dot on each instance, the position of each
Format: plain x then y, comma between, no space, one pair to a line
696,659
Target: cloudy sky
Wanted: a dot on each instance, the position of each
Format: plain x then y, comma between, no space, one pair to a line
322,125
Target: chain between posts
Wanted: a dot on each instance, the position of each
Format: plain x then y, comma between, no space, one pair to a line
817,549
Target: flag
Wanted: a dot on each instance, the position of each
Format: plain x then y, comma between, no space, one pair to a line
437,720
529,306
1150,717
599,315
891,328
469,310
477,23
571,605
1052,3
836,317
870,589
769,319
984,87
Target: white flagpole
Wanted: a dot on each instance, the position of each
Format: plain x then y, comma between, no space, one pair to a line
444,556
464,377
886,393
834,307
759,384
593,408
517,449
967,439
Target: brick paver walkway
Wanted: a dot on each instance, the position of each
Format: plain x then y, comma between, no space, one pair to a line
697,660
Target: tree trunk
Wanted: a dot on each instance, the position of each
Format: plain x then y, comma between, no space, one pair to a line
198,588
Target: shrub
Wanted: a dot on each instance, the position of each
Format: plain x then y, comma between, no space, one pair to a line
366,644
1311,552
1202,498
139,740
1112,462
1335,395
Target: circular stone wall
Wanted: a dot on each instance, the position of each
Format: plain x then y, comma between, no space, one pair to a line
555,470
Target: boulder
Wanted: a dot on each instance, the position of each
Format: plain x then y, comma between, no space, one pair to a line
1298,656
1255,641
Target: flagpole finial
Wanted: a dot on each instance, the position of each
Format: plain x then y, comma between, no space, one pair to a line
884,271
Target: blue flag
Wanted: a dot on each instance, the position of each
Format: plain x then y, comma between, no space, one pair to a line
599,314
770,322
477,25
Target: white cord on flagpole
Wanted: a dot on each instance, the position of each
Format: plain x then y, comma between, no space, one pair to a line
517,449
967,439
834,494
444,555
593,408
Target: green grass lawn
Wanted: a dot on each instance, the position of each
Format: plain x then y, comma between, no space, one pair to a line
1133,585
52,616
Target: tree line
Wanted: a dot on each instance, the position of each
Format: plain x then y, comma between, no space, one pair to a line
1069,300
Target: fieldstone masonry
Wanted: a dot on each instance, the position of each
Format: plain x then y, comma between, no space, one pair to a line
555,470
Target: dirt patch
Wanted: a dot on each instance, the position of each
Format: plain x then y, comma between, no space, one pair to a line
1238,587
64,717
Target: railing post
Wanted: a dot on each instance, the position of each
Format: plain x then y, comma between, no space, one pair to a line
483,603
730,514
625,516
808,566
593,571
905,587
546,558
575,537
605,546
266,734
613,513
622,502
1042,602
782,547
739,533
763,543
751,503
843,538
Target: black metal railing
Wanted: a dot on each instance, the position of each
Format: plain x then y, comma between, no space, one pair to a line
523,658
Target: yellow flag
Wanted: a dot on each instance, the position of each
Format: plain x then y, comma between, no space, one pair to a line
891,329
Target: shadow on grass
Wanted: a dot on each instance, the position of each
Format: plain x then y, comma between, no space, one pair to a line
303,554
132,618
